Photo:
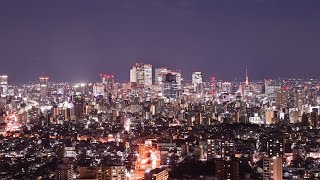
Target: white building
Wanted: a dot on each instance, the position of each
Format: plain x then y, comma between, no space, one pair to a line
98,89
271,88
4,85
226,87
147,73
141,74
196,80
178,78
159,72
133,74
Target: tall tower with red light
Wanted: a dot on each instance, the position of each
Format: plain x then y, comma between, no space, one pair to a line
247,78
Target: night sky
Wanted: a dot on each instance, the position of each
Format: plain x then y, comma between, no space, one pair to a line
77,40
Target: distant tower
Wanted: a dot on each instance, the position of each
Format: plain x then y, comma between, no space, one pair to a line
133,74
159,73
108,82
247,78
3,85
197,81
213,86
43,87
79,106
169,86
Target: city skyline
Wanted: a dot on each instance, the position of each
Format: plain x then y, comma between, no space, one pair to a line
186,78
221,38
160,89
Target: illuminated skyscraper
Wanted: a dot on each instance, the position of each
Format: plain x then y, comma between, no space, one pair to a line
108,82
271,87
245,87
133,74
79,106
98,89
178,78
196,80
147,73
282,98
159,72
226,87
141,74
3,85
213,86
169,86
43,87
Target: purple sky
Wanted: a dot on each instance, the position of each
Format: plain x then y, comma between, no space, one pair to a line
77,40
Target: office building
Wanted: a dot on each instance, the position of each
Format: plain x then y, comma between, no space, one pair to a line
271,116
90,173
64,171
147,72
211,149
220,148
159,73
103,173
227,169
196,78
157,174
114,172
43,87
197,81
178,78
141,74
133,74
79,105
3,85
98,89
213,86
272,168
169,86
108,82
270,88
275,147
226,87
282,98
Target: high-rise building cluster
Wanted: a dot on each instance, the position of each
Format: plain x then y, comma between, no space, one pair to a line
160,126
141,75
